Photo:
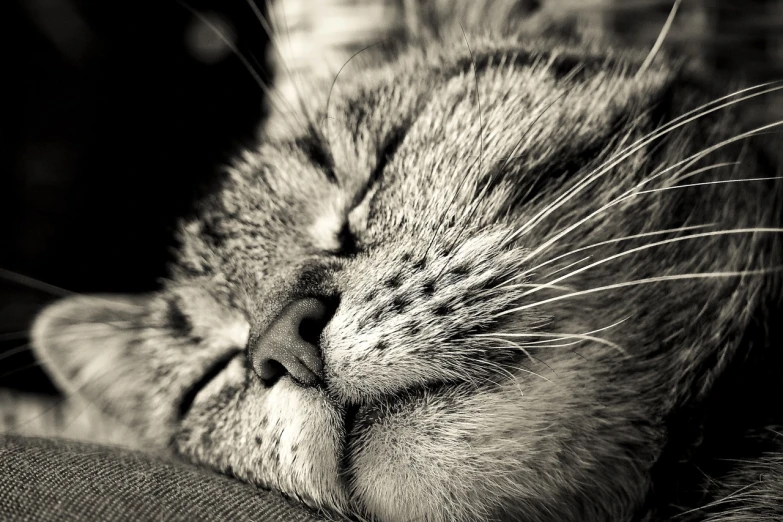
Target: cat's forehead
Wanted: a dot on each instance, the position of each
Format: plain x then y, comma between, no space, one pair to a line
401,149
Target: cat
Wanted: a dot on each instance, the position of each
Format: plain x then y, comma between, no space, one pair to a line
492,276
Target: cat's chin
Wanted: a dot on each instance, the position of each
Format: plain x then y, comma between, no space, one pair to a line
453,452
284,437
343,459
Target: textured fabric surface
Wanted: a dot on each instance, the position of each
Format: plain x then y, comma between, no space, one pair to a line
45,479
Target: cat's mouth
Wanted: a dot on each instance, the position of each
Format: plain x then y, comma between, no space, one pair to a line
350,417
358,418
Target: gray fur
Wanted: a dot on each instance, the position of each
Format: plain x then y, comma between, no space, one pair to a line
457,421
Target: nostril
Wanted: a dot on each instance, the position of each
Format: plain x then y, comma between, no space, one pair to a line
310,329
291,344
270,370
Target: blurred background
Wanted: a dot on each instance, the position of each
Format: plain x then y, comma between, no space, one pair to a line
116,115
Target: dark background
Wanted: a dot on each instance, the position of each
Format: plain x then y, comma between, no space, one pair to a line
114,114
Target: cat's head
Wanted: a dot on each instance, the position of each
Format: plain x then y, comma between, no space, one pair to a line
479,290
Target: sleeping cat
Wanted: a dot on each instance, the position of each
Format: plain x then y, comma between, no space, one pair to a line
491,277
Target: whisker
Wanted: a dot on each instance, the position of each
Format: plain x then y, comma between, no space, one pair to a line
478,99
507,342
479,159
275,25
21,369
696,172
538,344
776,432
14,351
525,370
87,405
697,275
585,333
520,347
87,334
566,336
496,289
702,107
269,93
638,145
272,32
569,265
30,282
659,41
602,243
539,286
480,155
336,76
87,326
718,182
499,368
535,345
51,289
656,244
720,501
56,403
13,336
506,371
632,192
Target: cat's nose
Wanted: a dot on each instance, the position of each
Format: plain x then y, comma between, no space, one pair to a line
290,345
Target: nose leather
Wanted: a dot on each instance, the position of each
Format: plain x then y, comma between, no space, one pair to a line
290,344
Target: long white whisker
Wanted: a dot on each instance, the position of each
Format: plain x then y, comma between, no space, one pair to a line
698,275
34,283
502,370
540,286
653,245
601,243
507,342
14,351
569,265
622,155
584,337
704,169
531,343
54,290
633,191
531,372
697,109
659,41
272,31
269,93
724,500
718,182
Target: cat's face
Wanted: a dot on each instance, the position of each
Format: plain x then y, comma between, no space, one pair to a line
503,325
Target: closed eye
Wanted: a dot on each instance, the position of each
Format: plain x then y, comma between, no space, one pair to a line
189,396
386,152
343,240
314,148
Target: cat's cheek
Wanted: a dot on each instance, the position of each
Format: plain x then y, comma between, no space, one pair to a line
529,446
437,458
284,437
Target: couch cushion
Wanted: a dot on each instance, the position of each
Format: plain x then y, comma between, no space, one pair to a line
49,479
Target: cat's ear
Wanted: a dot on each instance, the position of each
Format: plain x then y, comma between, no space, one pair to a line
82,340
